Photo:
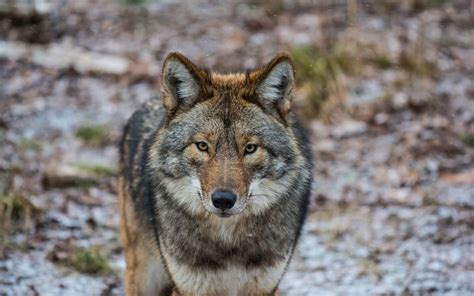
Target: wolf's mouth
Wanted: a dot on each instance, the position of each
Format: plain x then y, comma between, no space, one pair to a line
223,215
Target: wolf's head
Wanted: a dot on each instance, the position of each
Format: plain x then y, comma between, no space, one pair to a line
228,145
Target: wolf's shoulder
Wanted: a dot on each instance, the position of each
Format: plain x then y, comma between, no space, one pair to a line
142,123
147,117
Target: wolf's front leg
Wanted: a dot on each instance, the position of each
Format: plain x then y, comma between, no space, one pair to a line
145,273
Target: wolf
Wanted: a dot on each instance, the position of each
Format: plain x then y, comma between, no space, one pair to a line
214,183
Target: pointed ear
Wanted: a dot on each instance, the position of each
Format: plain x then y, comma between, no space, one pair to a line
274,85
181,83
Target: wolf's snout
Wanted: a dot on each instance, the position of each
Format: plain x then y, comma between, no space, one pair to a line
223,200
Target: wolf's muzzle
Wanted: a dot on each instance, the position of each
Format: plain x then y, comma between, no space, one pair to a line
223,200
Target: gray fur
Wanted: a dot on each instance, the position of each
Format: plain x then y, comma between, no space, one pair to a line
152,159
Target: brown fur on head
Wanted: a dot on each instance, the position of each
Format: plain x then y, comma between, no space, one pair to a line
183,84
229,132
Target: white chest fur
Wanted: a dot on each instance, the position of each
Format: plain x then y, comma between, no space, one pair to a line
231,281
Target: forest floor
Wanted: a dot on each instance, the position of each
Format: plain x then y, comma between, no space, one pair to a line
386,89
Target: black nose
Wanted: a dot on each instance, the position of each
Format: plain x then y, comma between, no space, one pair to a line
223,200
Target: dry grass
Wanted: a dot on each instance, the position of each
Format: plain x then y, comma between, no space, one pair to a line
321,74
29,144
95,135
89,260
468,139
16,212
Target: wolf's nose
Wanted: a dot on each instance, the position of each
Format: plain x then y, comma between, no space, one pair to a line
223,200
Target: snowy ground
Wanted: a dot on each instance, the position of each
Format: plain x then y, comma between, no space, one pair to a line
393,204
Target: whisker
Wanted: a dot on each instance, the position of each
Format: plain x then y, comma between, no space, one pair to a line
257,195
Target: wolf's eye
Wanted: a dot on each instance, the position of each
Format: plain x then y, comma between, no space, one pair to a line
202,146
250,148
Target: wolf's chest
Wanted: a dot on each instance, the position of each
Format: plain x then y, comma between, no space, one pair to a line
217,246
231,280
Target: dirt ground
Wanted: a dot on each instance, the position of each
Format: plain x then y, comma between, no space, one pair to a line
386,89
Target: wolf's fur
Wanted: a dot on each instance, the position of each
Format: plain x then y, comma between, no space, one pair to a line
175,239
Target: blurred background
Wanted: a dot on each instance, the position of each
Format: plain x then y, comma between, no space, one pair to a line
385,88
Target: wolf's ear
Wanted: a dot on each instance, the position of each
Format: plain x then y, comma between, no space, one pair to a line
181,83
275,83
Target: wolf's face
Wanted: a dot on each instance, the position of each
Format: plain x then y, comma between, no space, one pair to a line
227,147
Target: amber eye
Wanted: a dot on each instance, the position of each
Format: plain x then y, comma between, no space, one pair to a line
202,146
250,148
